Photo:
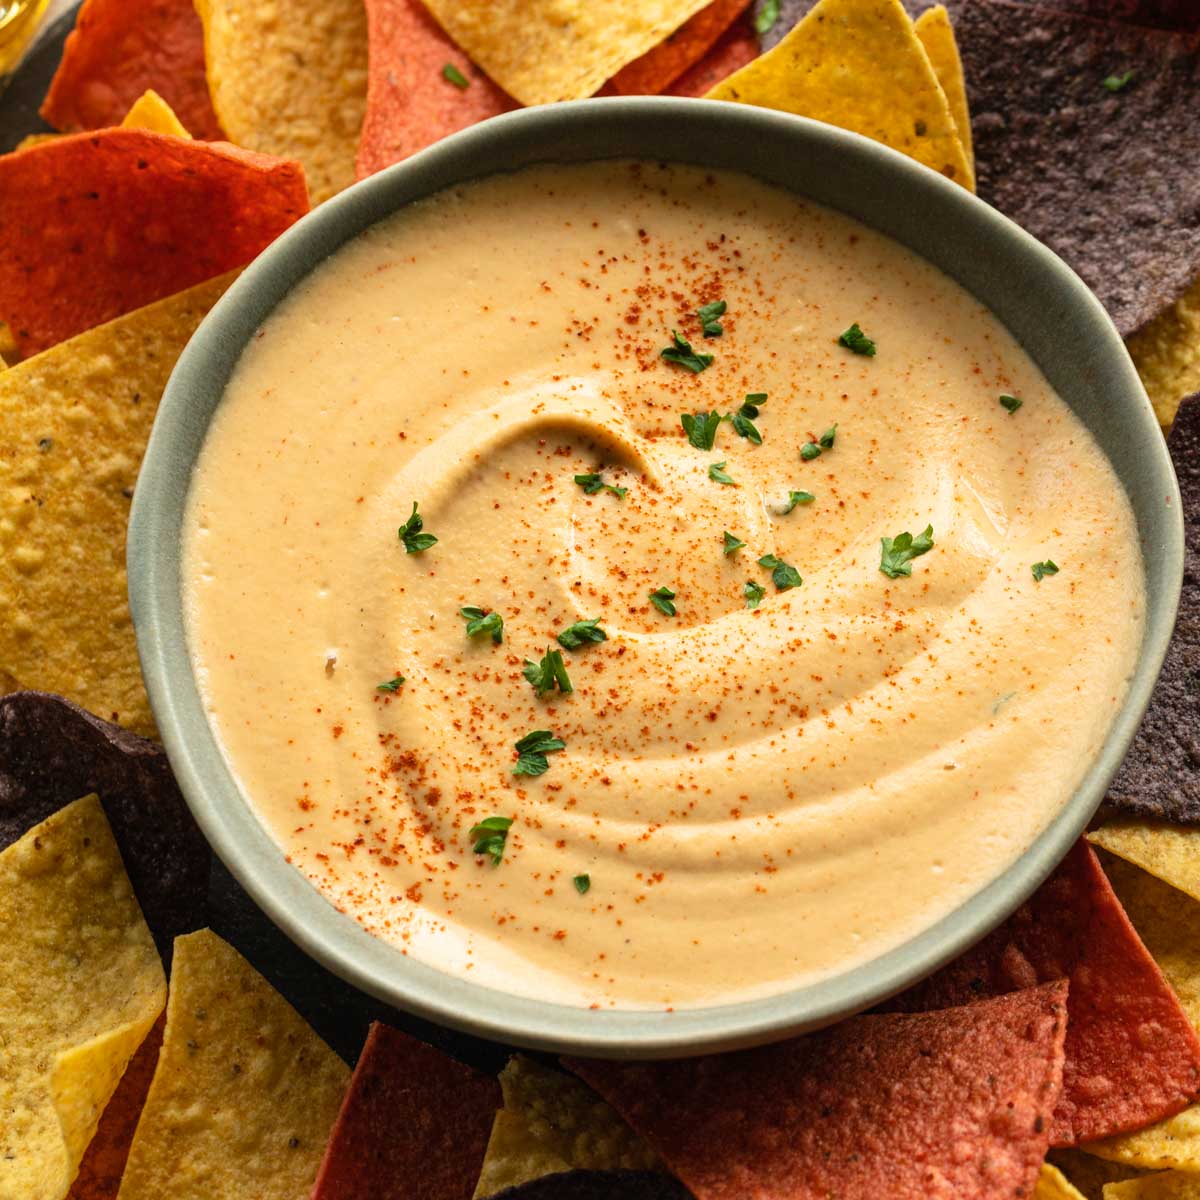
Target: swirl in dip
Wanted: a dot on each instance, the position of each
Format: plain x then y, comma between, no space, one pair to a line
759,795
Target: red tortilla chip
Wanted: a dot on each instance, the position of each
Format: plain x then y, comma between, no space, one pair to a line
661,66
103,1164
737,46
1132,1056
907,1106
118,49
98,224
414,1125
410,105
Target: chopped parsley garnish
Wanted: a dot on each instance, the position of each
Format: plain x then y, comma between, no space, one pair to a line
582,883
783,575
754,593
532,750
743,419
594,483
410,534
451,74
767,15
829,437
392,685
795,498
1117,83
551,672
489,837
854,339
732,544
701,428
1012,403
809,451
1042,569
682,354
663,599
708,314
718,474
581,634
481,621
898,552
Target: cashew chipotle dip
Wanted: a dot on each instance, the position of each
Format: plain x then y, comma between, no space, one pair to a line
631,714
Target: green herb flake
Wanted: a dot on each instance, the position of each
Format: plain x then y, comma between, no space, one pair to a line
548,674
701,428
594,483
532,750
663,599
718,474
582,633
809,451
410,534
898,552
754,593
766,16
732,544
451,74
1012,403
582,884
1042,569
854,339
708,314
682,354
795,498
783,575
828,437
479,621
392,685
743,419
489,837
1118,83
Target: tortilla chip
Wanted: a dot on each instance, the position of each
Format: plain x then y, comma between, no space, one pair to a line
151,111
98,224
660,66
1088,1174
859,65
1052,1184
1104,178
414,1124
73,427
244,1095
291,82
100,1172
81,989
410,104
1160,777
883,1105
736,47
544,50
8,344
937,36
52,751
1167,852
1166,353
599,1185
121,48
1165,1185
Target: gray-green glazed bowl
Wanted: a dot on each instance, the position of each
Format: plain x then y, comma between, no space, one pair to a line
1052,314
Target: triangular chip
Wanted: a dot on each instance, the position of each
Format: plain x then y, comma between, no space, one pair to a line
539,51
80,986
150,111
99,224
1166,353
73,427
414,1125
886,1105
937,36
120,48
291,83
1168,852
244,1094
859,65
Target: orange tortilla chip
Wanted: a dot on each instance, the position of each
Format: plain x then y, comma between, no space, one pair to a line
119,49
736,47
98,224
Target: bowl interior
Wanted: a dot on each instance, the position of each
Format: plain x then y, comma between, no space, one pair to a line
1051,313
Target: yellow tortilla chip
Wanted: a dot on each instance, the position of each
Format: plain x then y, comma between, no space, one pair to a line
1052,1184
554,1122
291,80
150,111
1170,852
81,986
1166,1185
245,1093
1088,1175
858,64
36,139
73,427
539,51
1167,354
937,36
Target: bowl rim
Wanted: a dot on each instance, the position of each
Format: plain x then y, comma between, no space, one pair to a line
708,133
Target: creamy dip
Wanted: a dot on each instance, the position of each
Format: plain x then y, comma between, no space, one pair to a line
753,797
